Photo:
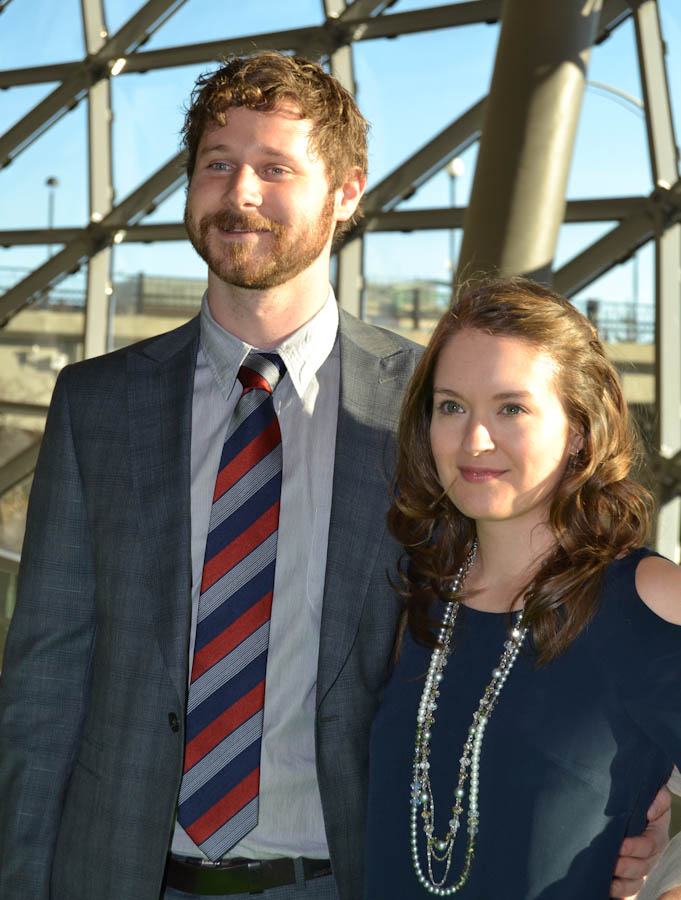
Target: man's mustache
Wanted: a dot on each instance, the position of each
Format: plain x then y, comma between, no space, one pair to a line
229,221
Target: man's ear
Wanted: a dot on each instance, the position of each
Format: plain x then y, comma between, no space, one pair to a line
349,194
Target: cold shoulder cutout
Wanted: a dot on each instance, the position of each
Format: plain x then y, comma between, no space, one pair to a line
658,584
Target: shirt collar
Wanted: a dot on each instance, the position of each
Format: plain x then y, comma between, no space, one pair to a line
303,352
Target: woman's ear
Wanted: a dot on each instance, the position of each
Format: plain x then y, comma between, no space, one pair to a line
575,443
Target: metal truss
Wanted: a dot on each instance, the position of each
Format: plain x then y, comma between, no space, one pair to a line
343,25
639,220
94,238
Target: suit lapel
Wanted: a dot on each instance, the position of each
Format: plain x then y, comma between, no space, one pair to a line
374,372
161,376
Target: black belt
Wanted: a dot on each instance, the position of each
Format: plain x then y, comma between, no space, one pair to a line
237,876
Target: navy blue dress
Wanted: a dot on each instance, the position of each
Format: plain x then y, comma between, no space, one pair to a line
573,754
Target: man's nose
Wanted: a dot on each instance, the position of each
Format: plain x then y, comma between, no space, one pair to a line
243,189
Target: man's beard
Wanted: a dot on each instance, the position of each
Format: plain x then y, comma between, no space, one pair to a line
246,266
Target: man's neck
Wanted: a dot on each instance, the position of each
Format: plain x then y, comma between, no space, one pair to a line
264,319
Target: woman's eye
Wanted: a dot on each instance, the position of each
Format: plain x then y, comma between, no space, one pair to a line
450,406
512,409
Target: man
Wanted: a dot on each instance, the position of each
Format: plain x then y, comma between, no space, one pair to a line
133,546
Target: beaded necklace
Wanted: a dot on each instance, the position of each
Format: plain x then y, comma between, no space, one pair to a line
440,850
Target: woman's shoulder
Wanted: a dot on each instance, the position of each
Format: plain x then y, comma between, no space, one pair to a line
637,625
658,584
643,577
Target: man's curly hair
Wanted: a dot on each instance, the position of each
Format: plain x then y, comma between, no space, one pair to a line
264,82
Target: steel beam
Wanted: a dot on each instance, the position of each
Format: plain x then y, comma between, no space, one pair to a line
613,14
353,25
609,209
358,9
170,231
38,74
662,147
350,256
604,209
350,276
91,70
517,201
415,220
15,237
664,163
43,115
349,27
96,336
604,254
658,213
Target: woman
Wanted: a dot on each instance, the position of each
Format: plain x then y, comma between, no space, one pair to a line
535,707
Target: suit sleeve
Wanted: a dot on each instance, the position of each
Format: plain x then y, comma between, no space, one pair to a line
45,681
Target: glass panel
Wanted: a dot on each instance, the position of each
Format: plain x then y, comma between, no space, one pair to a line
407,105
39,341
40,33
611,156
147,123
408,281
28,201
670,17
20,100
144,305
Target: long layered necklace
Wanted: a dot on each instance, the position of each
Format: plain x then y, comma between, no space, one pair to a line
439,849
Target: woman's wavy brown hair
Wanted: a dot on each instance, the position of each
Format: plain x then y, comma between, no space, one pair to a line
598,511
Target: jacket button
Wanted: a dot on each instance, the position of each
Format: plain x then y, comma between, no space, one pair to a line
174,721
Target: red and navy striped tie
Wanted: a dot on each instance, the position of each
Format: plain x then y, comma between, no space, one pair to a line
218,801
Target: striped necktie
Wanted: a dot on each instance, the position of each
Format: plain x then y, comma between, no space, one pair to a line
218,802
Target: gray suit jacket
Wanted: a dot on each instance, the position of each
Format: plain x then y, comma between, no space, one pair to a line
93,691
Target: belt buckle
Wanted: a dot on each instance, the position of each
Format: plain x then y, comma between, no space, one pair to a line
255,877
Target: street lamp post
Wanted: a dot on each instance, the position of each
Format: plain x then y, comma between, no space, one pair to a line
455,168
52,183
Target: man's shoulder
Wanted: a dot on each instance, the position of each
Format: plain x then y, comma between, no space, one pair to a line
376,339
102,382
157,348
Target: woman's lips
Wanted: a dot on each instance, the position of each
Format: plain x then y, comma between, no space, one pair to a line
468,473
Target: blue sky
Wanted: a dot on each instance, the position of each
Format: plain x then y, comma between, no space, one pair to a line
409,88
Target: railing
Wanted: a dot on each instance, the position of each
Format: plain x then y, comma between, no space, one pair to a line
416,304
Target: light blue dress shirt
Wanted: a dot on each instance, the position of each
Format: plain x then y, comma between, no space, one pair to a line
290,821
